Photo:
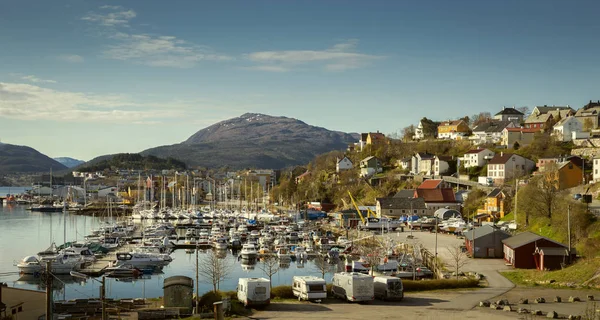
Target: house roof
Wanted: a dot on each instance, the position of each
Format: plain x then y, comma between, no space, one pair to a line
406,193
546,109
450,123
494,193
509,111
377,135
430,184
492,126
563,120
368,158
484,231
500,158
523,130
401,203
592,104
475,150
425,155
524,238
445,158
436,195
340,160
539,118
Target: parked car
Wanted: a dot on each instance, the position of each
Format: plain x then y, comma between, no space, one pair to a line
577,196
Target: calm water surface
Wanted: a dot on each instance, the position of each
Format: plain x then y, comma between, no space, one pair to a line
24,233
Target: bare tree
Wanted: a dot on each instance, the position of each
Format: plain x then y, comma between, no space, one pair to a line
371,251
322,265
458,258
269,265
214,269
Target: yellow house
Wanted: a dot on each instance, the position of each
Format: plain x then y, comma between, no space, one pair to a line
453,129
493,207
567,175
375,138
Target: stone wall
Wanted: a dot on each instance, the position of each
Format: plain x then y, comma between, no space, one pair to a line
587,153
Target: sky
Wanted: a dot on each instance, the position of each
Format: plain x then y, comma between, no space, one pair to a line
87,78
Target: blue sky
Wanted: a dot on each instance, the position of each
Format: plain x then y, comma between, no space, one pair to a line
87,78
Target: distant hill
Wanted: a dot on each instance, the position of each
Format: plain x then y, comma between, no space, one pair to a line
131,161
24,159
69,162
255,140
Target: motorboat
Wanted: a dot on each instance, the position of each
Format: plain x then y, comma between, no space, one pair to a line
248,251
283,253
123,271
220,244
63,263
141,260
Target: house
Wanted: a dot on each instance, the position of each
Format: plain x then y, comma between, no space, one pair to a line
589,115
370,166
596,168
544,163
419,132
565,175
507,166
425,129
343,164
569,128
18,303
405,193
394,207
528,250
437,199
303,176
441,165
422,163
485,242
542,116
375,138
476,157
266,178
489,132
522,136
404,163
453,129
510,114
494,206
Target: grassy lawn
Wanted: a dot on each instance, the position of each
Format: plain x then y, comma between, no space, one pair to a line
576,275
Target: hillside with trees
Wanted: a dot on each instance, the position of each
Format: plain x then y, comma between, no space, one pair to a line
131,161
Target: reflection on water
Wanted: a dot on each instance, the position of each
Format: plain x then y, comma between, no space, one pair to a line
25,233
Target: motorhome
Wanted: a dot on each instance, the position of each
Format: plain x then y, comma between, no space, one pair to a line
254,291
388,288
385,224
353,286
309,287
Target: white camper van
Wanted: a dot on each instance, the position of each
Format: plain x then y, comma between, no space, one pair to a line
388,288
309,288
254,291
353,286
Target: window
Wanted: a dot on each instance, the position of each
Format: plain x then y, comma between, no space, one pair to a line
391,211
260,290
316,288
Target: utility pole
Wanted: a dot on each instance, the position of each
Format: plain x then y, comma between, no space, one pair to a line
197,283
103,297
49,299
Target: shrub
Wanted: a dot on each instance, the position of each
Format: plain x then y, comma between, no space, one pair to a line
207,299
229,294
424,285
282,292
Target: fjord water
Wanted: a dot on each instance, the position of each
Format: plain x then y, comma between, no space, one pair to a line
24,233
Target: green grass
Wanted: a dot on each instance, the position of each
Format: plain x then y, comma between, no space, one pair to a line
576,275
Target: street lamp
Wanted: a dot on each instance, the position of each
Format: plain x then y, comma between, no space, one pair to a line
102,289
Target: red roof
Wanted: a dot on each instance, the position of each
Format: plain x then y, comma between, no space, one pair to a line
430,184
436,195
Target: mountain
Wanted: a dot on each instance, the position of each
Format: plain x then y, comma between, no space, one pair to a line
131,161
255,140
69,162
15,158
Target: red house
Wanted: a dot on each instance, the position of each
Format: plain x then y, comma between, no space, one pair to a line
528,250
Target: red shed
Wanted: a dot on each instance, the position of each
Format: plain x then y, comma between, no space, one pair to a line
528,250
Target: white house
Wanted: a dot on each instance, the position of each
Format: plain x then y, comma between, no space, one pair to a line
507,166
422,163
596,168
343,164
419,134
441,165
489,132
370,166
568,128
477,157
405,163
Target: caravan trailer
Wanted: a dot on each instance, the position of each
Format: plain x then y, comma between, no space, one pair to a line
309,287
353,286
388,288
254,291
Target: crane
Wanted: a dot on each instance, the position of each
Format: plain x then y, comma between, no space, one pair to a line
357,209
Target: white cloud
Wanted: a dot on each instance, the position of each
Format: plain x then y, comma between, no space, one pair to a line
30,102
269,68
73,58
148,49
159,51
337,58
116,16
34,79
